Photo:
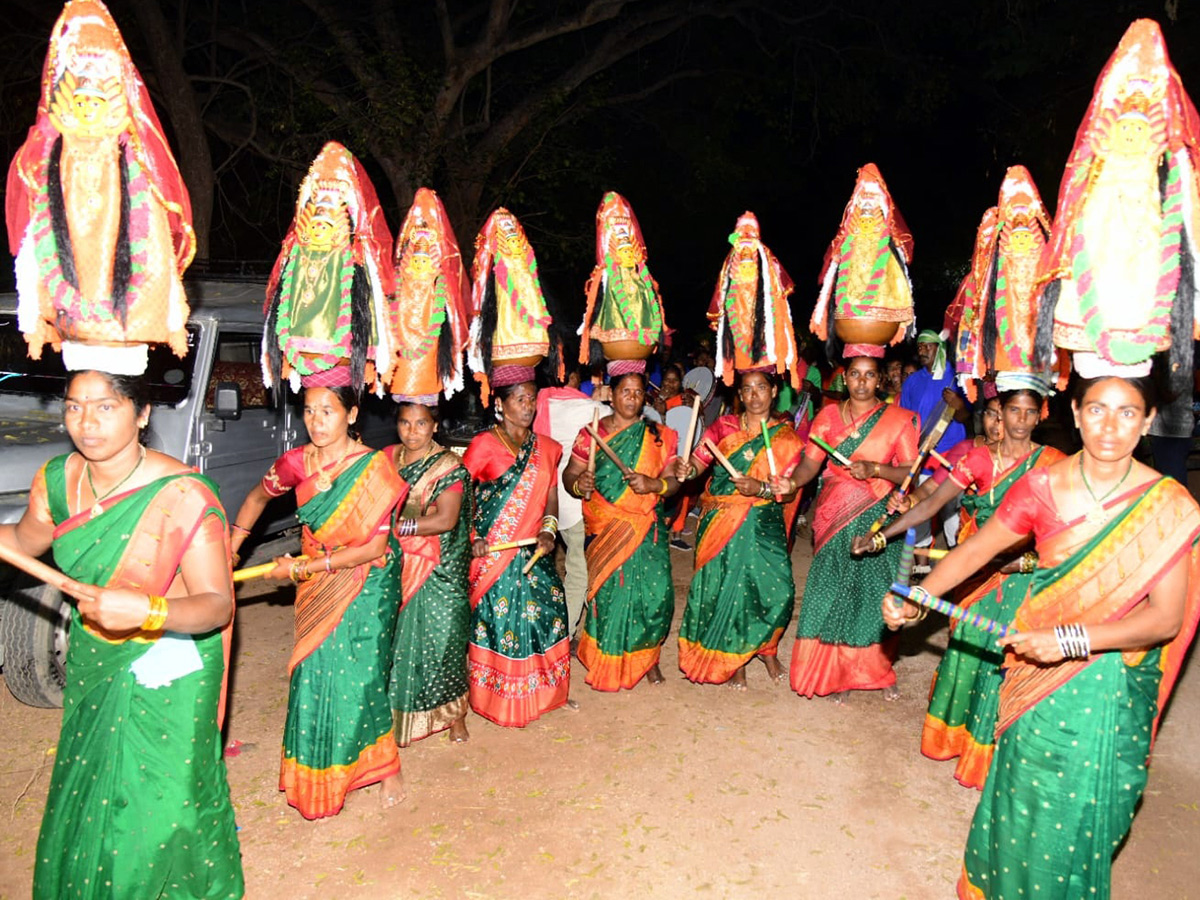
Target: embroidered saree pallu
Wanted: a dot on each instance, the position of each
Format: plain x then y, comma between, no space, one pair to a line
965,694
518,658
138,805
742,594
630,595
428,687
338,733
841,642
1074,738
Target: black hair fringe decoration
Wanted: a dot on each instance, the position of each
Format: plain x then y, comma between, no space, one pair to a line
759,340
360,326
274,351
989,333
487,325
1182,318
1043,341
122,261
58,215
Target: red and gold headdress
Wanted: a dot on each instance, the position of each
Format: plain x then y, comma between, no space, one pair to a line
749,309
998,328
327,298
430,308
865,275
1119,269
624,310
509,320
98,216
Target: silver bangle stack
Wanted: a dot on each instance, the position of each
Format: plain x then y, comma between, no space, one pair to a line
1073,641
550,524
765,491
406,528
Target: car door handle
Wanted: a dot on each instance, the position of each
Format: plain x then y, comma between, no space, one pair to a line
201,450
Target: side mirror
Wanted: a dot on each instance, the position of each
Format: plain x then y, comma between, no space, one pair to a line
227,401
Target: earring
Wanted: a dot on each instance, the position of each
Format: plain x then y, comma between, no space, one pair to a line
499,414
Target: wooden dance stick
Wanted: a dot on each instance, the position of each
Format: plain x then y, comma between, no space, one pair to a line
932,552
931,439
824,446
933,454
591,463
259,571
922,597
770,456
904,571
537,554
512,545
609,451
691,432
720,457
31,565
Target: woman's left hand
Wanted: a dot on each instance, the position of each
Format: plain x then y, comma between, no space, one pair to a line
643,484
115,610
545,542
1035,646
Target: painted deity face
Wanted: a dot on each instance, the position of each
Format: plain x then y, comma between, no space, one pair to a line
421,264
1131,135
325,220
510,242
1021,240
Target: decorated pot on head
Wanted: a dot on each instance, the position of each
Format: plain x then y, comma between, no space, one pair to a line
749,309
1119,263
509,334
624,313
429,308
327,297
98,216
999,329
865,287
961,320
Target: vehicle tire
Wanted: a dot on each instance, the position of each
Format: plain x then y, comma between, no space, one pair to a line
34,623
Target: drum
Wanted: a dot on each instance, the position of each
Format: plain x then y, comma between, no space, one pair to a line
679,418
702,381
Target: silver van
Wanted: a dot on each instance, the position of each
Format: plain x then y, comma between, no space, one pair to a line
210,410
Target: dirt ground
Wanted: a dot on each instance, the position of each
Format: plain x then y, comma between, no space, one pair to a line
671,791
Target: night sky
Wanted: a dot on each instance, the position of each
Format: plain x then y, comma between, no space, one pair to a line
772,110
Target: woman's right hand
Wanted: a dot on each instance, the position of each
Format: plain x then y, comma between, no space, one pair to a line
283,568
897,616
681,469
479,548
862,544
585,484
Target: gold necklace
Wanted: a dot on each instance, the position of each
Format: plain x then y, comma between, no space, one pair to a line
98,506
504,439
324,479
854,423
1098,514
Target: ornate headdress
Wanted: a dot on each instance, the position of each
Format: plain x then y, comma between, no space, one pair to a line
1119,270
865,274
509,320
327,298
624,310
98,217
998,328
960,317
749,309
430,304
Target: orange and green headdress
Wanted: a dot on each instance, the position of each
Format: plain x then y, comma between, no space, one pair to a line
98,217
509,333
327,297
960,317
624,310
1119,270
430,304
865,276
998,329
749,309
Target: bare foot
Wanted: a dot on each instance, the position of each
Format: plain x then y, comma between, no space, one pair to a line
774,669
840,697
891,692
738,681
392,791
458,731
655,675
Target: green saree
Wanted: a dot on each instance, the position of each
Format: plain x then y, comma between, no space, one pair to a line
428,687
1074,738
139,802
631,597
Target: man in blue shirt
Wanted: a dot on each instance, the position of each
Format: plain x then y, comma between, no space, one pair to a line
926,392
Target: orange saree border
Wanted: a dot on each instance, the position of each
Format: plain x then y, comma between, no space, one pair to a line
707,666
318,793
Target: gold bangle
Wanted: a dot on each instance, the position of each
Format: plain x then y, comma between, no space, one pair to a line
665,487
156,614
876,470
879,541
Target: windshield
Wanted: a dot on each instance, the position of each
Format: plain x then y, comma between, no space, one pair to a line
169,377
